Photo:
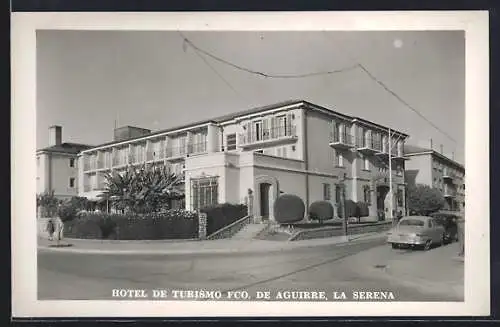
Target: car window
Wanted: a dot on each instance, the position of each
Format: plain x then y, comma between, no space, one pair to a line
429,223
411,222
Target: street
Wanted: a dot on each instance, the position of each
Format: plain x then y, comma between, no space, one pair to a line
345,270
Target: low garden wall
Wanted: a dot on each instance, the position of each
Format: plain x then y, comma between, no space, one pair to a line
231,229
332,231
167,225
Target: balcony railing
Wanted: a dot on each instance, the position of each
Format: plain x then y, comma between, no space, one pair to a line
157,154
368,145
449,192
175,152
87,188
197,147
341,140
268,135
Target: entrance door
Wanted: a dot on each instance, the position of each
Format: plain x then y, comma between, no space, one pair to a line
264,200
381,195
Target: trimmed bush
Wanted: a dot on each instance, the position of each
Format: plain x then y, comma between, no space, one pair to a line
351,209
321,210
363,209
171,224
222,215
66,212
289,208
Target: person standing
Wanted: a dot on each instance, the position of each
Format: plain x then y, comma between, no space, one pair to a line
50,228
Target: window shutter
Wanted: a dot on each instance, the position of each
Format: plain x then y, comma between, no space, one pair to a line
265,128
284,152
273,127
288,128
249,128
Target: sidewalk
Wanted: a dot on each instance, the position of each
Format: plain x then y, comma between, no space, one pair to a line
223,246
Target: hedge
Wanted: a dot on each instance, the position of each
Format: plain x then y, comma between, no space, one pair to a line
321,210
222,215
172,224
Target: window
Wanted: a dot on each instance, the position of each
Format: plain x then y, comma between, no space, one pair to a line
282,126
231,142
259,151
399,196
366,164
72,182
204,192
284,152
367,195
326,192
429,223
257,130
340,159
72,162
338,193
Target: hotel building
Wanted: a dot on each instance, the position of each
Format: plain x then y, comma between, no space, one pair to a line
293,147
429,167
57,166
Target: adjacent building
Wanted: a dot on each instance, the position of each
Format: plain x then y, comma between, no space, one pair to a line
292,147
57,166
429,167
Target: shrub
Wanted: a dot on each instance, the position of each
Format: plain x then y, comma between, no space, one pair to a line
351,209
363,209
66,211
222,215
321,210
288,208
171,224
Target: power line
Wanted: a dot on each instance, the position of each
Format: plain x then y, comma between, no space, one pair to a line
218,74
386,88
404,102
261,74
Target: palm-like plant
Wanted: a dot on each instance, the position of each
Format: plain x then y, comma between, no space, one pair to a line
150,188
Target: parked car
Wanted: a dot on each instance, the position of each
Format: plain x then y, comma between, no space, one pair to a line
449,222
416,231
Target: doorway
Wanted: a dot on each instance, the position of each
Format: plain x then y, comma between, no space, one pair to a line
264,200
382,191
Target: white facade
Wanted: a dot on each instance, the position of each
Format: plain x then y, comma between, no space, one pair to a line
296,148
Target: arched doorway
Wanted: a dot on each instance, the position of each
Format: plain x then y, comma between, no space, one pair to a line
266,192
265,200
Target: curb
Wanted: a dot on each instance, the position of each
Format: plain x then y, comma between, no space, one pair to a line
285,247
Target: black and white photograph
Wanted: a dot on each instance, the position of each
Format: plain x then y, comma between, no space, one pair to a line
316,170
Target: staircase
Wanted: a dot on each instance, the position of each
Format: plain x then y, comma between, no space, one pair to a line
249,232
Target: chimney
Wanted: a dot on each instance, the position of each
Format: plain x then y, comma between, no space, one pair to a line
431,145
55,135
441,148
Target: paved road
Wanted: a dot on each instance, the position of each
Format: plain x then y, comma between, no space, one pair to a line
326,268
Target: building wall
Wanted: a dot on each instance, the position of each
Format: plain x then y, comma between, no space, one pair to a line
419,170
54,173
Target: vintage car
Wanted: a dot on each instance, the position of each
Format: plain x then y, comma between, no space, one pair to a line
416,231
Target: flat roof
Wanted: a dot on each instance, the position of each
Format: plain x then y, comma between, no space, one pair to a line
228,117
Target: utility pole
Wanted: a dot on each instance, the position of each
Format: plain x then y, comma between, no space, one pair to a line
344,209
390,178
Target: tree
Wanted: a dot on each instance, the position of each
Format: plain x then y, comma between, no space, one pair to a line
48,202
147,189
424,200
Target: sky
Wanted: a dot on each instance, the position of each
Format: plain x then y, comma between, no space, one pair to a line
88,80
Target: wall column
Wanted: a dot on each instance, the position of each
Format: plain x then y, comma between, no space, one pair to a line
212,138
80,179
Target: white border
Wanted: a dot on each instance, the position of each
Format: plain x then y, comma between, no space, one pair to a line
24,279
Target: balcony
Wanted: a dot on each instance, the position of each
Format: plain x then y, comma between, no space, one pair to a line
447,176
268,137
368,146
341,141
197,148
157,154
87,188
176,153
449,192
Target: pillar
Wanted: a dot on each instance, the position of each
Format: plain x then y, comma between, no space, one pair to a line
212,138
202,225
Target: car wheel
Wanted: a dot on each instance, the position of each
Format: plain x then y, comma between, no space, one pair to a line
428,245
443,240
394,245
